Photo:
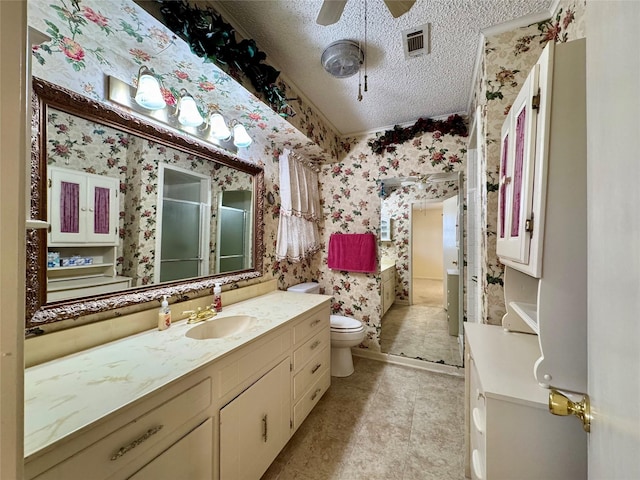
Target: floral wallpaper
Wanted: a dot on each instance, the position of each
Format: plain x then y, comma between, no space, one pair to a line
507,60
81,145
76,59
352,203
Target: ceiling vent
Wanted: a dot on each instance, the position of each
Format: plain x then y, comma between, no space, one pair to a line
416,41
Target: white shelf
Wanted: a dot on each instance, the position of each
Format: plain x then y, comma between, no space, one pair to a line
74,283
79,267
528,312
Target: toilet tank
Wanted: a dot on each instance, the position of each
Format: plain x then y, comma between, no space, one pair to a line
310,287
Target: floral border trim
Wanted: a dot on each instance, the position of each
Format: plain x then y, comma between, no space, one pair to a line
454,125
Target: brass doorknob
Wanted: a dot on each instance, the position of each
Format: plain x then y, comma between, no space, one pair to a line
560,404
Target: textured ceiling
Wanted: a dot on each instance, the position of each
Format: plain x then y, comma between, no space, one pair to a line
400,90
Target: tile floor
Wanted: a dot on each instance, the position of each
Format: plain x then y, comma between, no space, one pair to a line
420,330
384,422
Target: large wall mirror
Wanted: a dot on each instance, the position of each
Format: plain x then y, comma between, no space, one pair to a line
136,211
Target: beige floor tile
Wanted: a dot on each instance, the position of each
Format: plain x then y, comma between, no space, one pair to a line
420,331
405,424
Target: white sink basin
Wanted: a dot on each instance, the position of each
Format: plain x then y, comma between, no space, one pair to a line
222,327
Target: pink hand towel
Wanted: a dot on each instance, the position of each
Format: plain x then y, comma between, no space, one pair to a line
352,252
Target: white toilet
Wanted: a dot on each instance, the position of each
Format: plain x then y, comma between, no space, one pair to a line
346,332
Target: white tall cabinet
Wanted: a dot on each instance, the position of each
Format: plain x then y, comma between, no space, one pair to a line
541,240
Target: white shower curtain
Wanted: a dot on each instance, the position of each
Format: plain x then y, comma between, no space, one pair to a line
300,213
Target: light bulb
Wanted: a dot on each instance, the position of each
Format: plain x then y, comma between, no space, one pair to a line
219,129
188,114
240,136
148,93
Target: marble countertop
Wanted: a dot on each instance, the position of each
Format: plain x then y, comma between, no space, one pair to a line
386,263
68,394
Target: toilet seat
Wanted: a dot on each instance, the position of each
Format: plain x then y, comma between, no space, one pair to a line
341,324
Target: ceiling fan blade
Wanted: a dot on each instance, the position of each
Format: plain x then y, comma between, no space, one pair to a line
399,7
330,12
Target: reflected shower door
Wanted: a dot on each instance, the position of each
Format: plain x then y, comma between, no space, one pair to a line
182,237
231,240
180,245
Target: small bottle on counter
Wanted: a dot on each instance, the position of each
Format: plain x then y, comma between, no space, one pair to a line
217,297
164,315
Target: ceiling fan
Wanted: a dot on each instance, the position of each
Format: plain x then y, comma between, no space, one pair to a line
331,10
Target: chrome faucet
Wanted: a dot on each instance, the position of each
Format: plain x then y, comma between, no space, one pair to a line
200,315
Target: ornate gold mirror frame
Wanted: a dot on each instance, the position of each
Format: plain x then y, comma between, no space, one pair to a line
38,311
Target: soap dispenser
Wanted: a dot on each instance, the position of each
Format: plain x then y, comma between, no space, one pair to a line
164,315
217,297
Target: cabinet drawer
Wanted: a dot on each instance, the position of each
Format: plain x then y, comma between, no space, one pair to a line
310,398
313,369
247,363
388,274
477,465
126,444
311,325
196,446
308,349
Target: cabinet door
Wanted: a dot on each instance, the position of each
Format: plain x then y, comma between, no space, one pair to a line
255,426
102,209
517,164
188,458
67,206
83,208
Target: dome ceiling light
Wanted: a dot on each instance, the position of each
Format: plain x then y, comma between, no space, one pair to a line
342,59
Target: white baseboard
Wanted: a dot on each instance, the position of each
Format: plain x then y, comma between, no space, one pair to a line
409,362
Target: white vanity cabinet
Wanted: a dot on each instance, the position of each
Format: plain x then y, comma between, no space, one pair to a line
388,279
453,300
226,416
255,426
149,432
262,410
510,432
311,364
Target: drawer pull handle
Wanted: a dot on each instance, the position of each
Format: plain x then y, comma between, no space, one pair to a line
315,369
315,322
315,394
315,344
480,394
149,433
264,428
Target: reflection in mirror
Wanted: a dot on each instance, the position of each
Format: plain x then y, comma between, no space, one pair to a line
131,206
418,326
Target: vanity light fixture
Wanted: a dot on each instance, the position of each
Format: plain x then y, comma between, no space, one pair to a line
187,110
148,93
241,138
